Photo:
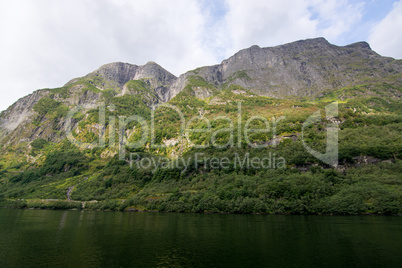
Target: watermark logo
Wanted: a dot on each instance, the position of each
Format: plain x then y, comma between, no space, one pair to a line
185,130
201,160
330,156
231,127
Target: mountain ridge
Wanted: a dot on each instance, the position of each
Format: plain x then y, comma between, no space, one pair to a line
297,69
306,68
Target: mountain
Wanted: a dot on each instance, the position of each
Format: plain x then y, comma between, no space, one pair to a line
303,68
118,74
306,68
134,155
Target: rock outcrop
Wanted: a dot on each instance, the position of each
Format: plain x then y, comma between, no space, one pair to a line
302,68
118,74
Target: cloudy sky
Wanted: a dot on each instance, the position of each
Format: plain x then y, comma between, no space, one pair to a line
45,43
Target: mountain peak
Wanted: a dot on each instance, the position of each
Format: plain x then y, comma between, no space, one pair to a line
153,70
362,44
306,44
254,47
117,64
151,63
119,72
301,68
316,40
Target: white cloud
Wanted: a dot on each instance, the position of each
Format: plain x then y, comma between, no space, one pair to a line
267,23
385,37
336,17
276,22
46,43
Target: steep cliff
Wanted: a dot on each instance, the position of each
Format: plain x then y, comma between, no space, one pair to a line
304,68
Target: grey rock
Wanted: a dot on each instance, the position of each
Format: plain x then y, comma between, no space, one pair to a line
119,73
302,68
19,113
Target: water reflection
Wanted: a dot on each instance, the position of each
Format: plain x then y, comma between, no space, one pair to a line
99,239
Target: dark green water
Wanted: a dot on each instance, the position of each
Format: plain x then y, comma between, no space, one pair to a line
45,238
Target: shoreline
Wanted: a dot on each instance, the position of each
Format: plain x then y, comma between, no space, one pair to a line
132,210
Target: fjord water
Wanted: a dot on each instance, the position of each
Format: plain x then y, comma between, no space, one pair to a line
45,238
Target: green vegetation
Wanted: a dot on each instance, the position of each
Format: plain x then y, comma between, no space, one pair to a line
367,181
371,189
39,143
49,109
239,75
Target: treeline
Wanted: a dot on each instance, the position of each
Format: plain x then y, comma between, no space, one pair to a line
372,189
367,189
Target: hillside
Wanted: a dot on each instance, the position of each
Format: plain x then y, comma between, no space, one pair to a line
132,137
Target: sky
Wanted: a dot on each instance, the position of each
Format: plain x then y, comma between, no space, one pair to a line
45,43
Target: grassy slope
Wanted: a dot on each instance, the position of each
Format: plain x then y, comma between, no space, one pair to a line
370,126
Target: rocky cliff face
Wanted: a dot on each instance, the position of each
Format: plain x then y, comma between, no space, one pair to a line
307,68
117,74
19,113
302,68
